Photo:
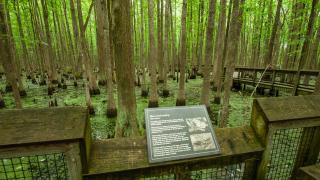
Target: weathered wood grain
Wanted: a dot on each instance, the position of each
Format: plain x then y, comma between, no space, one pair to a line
310,172
27,126
115,155
290,108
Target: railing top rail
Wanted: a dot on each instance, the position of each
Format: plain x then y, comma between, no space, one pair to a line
289,108
115,155
33,126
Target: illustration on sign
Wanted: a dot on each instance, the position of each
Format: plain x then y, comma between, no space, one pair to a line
179,132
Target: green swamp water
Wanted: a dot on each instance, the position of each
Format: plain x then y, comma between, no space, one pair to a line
103,127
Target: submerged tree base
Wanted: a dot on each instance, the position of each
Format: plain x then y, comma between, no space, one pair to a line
23,93
2,104
181,102
102,82
91,110
54,81
144,93
50,91
217,100
153,104
8,88
165,93
112,112
94,91
43,82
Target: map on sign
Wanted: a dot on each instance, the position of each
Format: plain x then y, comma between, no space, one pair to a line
179,132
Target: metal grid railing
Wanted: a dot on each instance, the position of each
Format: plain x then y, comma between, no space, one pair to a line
284,151
163,177
229,172
48,166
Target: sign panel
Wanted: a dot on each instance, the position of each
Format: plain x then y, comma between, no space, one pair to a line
179,132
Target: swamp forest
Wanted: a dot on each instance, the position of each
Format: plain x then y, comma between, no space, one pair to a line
117,58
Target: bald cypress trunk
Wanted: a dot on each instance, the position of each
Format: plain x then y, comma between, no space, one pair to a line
6,56
85,54
269,54
124,68
166,59
205,95
232,52
218,65
153,99
181,99
306,46
144,90
100,7
111,106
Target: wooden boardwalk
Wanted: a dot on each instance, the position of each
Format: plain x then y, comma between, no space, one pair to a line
276,79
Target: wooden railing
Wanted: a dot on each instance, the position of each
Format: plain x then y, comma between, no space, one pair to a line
56,143
277,79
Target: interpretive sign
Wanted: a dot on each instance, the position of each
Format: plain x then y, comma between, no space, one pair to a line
179,132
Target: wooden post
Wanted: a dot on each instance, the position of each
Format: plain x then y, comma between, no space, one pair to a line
276,115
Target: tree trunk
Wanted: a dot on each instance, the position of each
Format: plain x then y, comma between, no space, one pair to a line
205,95
111,106
232,52
25,54
268,57
85,54
306,45
100,20
200,35
48,38
173,45
160,41
144,90
15,61
165,91
153,99
219,51
181,99
6,58
124,67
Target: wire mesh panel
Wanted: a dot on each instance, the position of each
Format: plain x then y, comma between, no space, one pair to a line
284,150
48,166
163,177
229,172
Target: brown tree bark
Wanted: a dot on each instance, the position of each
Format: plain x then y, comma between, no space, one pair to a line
153,99
181,99
269,54
84,53
16,68
232,52
100,7
218,65
6,58
111,106
25,54
144,90
160,40
200,36
166,59
173,40
124,67
306,46
48,39
205,94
